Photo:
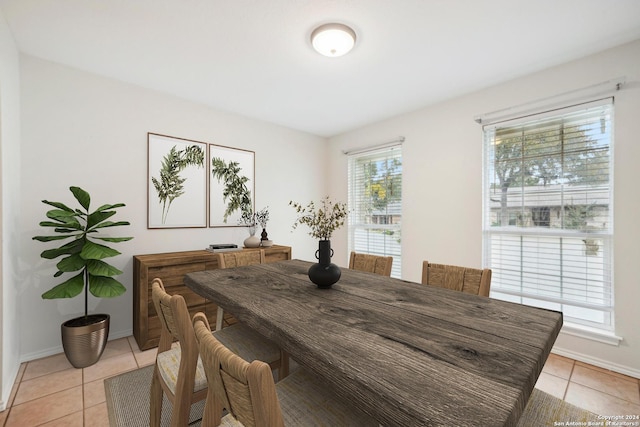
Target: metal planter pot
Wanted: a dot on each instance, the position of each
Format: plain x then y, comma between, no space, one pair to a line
84,339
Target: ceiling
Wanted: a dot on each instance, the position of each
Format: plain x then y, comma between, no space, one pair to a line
254,57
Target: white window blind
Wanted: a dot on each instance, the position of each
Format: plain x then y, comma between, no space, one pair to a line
548,211
375,204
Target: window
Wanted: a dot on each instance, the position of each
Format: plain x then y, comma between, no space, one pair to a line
375,204
548,220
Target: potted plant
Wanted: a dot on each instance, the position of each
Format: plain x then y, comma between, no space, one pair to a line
83,338
248,219
323,220
262,217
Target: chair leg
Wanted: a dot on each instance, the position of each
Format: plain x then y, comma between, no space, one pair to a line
155,407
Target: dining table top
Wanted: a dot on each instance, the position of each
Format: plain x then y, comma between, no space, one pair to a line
405,353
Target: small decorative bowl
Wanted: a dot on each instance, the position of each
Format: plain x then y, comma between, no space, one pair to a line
266,243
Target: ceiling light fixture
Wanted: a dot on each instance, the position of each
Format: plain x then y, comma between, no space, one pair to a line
333,40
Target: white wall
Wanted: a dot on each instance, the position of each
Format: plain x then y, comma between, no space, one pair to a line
9,210
442,186
85,130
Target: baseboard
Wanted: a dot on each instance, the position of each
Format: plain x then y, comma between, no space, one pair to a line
605,364
58,349
8,388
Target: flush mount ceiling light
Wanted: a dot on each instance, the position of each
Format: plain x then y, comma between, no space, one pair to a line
333,39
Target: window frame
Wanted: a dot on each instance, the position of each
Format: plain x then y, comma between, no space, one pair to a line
377,223
516,226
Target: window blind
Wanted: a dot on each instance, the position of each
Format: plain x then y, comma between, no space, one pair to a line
375,203
548,211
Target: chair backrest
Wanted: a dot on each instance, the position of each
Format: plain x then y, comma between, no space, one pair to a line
371,263
246,390
176,324
469,280
240,258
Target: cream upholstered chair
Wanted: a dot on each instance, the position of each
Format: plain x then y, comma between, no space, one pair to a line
178,371
247,391
371,263
464,279
236,259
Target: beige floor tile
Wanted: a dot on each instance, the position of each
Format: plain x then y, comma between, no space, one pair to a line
146,358
45,409
116,347
133,343
614,385
96,416
553,385
47,365
598,402
559,366
94,393
72,420
143,358
606,371
109,367
48,384
3,417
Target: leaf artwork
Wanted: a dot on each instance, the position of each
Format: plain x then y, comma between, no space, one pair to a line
235,192
170,186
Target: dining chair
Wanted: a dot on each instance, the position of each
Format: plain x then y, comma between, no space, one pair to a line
178,371
544,409
252,399
464,279
371,263
236,259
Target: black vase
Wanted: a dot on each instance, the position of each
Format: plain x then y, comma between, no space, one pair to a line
324,273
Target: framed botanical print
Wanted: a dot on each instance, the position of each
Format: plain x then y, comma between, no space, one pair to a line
177,182
231,185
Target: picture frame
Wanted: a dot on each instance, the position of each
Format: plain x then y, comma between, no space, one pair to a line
176,182
231,183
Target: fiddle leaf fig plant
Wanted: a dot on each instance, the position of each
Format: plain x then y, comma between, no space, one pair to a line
83,256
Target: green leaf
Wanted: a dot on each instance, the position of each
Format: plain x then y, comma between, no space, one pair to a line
71,263
109,207
101,268
58,205
52,224
111,224
66,230
68,289
93,250
61,215
97,217
67,249
113,239
105,287
81,196
49,238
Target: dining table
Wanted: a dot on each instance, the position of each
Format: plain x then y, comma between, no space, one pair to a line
405,353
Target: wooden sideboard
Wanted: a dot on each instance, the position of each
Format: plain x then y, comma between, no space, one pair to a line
171,268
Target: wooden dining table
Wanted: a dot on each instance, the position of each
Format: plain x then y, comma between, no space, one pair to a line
405,353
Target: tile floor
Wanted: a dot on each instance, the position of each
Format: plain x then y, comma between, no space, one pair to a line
50,392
